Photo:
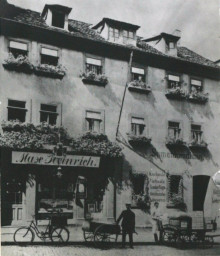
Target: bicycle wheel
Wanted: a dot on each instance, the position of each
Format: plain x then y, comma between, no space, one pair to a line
23,236
60,235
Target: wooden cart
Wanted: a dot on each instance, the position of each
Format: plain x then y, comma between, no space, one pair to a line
101,234
187,231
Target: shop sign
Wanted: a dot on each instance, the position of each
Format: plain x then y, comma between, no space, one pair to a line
51,159
157,186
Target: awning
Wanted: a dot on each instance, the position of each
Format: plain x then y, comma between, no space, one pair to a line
18,45
93,61
49,52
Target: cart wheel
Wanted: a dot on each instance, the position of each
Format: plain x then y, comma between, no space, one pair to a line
88,236
208,242
169,236
103,239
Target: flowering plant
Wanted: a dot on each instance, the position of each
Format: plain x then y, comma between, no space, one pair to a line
177,201
21,63
197,143
138,139
176,91
50,69
177,141
198,96
94,77
139,84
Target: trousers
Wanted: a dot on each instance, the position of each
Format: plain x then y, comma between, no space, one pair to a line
130,234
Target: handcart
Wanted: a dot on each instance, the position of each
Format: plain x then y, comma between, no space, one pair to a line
186,231
100,234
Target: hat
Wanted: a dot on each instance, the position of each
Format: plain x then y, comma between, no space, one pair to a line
127,203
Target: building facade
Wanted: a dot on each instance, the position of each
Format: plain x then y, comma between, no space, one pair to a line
160,102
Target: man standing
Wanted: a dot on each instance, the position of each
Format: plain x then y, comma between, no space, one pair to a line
155,221
128,225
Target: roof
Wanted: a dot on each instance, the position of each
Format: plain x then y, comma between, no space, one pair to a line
166,36
57,7
84,30
116,23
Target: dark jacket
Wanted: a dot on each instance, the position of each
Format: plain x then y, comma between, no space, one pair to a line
128,220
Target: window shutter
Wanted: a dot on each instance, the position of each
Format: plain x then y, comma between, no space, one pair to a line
174,78
18,45
135,120
196,82
49,52
137,70
94,61
93,115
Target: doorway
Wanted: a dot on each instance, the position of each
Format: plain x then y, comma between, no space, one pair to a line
200,185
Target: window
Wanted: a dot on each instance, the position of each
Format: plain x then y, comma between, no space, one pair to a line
94,65
14,190
173,81
93,121
128,34
138,74
196,85
113,32
196,133
175,187
49,56
16,110
18,48
58,19
48,114
171,45
137,126
174,130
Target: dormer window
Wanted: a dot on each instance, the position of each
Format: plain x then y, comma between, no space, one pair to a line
18,48
128,34
113,33
49,56
171,45
58,19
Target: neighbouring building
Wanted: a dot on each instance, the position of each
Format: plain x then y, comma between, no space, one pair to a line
157,99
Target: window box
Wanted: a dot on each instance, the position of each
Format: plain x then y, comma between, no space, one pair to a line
175,94
94,79
19,64
198,97
138,140
198,144
50,71
139,86
175,142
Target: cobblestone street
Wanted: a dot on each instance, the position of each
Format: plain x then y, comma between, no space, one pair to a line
84,251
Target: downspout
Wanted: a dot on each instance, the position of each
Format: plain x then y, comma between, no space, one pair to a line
117,130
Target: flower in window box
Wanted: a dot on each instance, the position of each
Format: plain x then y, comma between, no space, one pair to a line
175,141
138,140
140,84
175,93
198,144
50,70
92,77
19,64
196,96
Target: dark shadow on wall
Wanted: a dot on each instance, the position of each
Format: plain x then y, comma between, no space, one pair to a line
180,152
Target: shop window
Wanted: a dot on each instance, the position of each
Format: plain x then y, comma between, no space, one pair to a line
48,114
138,74
18,48
14,192
49,56
174,131
16,110
196,133
55,193
137,126
113,33
173,81
93,121
196,85
58,19
94,65
175,187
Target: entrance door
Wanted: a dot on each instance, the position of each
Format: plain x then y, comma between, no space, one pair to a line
200,185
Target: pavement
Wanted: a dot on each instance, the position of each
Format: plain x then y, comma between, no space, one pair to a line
144,236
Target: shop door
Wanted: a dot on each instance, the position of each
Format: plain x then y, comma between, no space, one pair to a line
12,204
200,185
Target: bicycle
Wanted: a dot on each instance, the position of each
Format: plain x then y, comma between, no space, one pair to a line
55,230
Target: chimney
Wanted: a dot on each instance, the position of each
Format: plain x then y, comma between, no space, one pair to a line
178,33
